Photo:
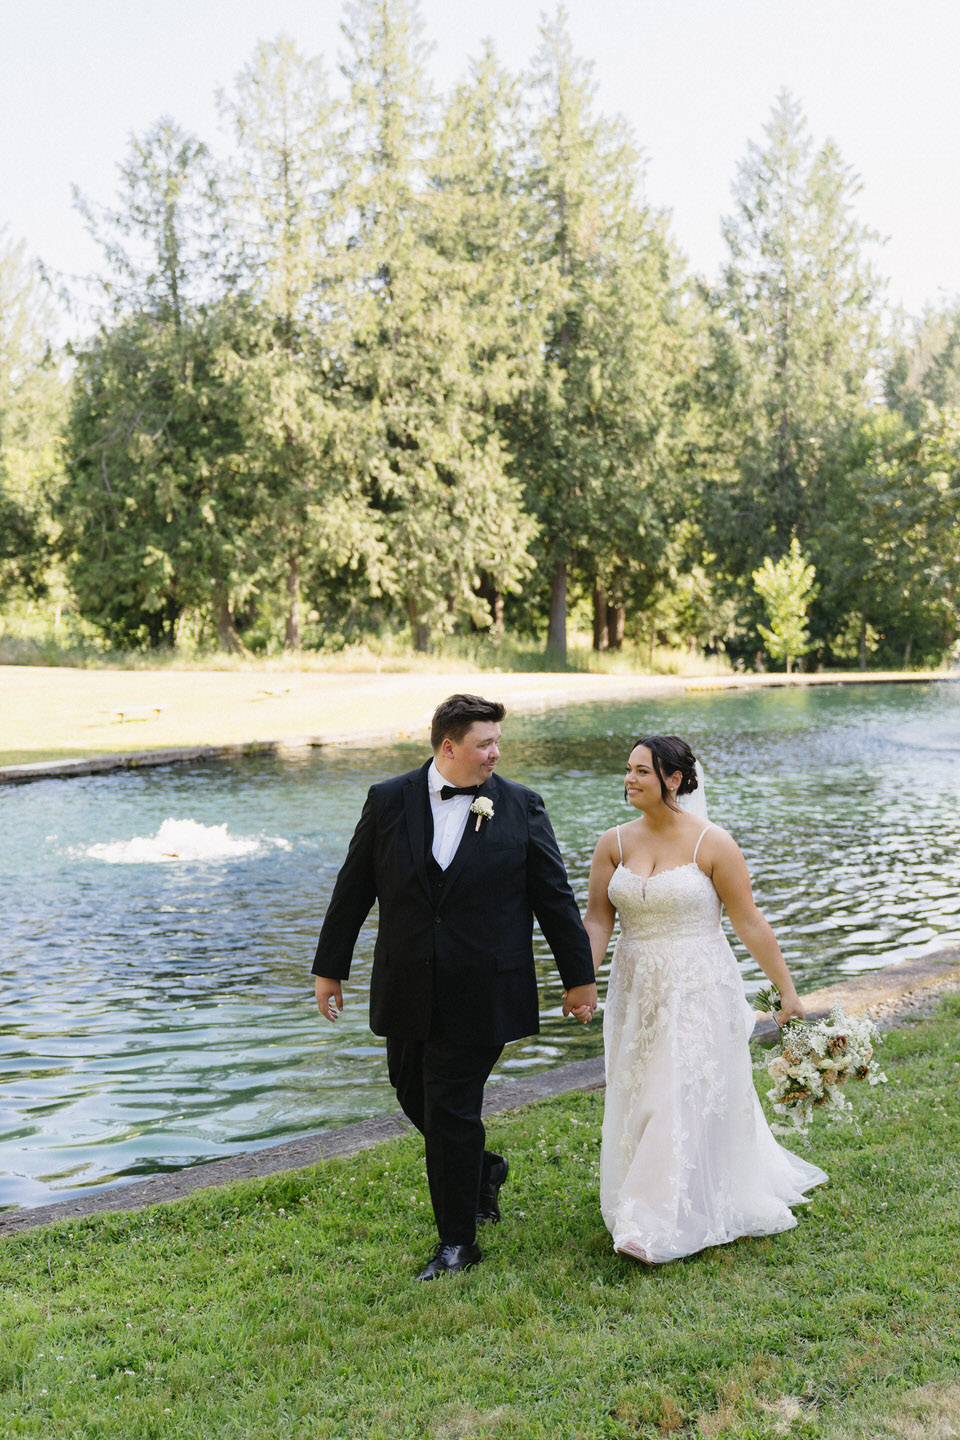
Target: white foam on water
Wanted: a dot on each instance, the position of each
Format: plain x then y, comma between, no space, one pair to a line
182,840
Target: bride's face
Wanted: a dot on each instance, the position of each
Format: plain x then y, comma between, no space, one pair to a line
641,782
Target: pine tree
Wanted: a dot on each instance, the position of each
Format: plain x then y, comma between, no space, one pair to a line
417,363
795,341
482,219
282,214
156,511
592,439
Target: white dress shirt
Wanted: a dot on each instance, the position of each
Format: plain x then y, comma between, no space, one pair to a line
449,817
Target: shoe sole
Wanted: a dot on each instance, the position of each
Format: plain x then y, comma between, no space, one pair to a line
634,1252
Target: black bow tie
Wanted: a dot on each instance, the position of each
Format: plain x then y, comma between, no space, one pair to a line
447,792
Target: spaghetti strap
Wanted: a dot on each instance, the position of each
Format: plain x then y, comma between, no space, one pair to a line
620,847
703,832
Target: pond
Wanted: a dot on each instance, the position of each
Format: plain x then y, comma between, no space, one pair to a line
158,926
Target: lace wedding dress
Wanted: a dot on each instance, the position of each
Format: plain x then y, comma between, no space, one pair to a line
688,1159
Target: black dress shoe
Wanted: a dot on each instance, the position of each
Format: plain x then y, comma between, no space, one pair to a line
488,1205
448,1259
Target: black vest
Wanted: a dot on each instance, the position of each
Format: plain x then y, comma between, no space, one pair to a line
435,874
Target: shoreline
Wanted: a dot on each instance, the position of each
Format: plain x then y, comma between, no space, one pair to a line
206,715
892,996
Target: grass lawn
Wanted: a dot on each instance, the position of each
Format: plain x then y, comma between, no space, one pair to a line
285,1307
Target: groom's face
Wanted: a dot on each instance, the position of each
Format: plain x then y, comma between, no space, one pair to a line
473,759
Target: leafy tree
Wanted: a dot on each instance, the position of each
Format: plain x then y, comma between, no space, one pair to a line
785,588
32,399
888,554
159,518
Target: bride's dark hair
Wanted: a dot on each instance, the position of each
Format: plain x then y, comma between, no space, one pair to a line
671,753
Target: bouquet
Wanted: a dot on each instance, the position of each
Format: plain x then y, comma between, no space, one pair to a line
813,1060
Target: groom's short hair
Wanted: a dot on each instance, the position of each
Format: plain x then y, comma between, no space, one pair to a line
454,716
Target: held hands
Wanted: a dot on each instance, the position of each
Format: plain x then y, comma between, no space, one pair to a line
329,997
581,1002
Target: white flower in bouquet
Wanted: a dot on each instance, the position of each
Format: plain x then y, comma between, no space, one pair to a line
813,1059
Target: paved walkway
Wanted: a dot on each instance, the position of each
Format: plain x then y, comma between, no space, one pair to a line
892,995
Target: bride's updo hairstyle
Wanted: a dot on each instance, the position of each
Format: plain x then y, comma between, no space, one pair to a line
670,753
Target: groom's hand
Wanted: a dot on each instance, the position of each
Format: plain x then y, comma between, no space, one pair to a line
329,997
581,1002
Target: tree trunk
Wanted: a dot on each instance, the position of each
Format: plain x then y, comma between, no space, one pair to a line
907,651
616,625
863,643
557,628
227,637
496,610
488,591
292,637
600,612
418,630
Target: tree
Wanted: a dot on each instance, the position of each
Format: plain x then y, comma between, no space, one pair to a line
32,404
450,512
483,218
889,555
786,589
794,342
591,439
282,215
925,366
157,510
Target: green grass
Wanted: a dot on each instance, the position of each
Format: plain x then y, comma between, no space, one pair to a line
286,1308
388,654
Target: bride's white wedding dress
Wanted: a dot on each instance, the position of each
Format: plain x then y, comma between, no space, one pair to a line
688,1159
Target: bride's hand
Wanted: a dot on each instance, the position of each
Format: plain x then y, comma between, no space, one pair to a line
584,1012
790,1009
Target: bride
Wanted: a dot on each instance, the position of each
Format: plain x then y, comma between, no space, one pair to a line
687,1157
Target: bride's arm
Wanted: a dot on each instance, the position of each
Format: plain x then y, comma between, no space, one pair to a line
731,880
599,919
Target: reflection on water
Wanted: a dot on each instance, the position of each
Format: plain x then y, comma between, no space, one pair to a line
158,926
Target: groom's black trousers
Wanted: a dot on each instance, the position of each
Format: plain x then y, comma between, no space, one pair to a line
439,1083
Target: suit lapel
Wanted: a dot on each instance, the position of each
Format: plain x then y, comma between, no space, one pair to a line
470,840
415,802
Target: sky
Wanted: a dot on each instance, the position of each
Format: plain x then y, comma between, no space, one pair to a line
696,79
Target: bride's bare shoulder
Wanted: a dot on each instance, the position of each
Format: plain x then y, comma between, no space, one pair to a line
717,842
608,846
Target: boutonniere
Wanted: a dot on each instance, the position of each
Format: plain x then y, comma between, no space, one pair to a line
483,809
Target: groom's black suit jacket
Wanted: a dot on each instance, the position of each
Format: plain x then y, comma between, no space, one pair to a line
460,952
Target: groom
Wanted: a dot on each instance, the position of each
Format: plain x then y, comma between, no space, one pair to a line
460,861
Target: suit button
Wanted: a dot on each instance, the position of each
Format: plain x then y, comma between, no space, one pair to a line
436,919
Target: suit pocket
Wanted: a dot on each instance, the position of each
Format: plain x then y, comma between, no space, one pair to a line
512,962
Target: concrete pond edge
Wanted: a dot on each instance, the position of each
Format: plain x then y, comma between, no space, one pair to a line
872,991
